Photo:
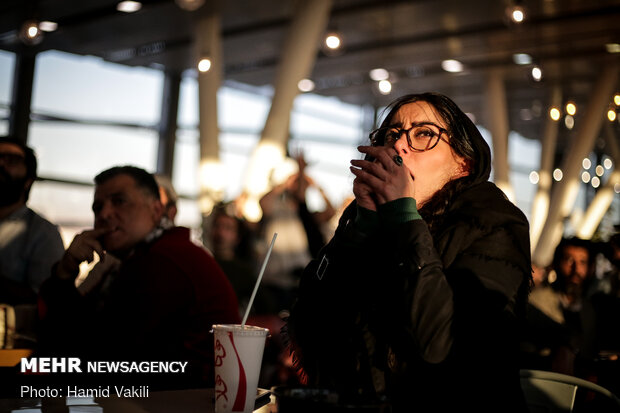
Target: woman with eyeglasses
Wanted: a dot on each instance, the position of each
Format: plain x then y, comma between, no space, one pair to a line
416,301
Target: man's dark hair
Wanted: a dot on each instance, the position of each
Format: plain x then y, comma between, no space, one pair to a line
144,180
573,242
30,158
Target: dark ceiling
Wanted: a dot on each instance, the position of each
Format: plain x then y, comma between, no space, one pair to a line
567,38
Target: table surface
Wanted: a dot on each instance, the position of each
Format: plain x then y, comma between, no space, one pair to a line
178,401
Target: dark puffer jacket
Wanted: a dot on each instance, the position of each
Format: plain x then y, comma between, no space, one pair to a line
428,322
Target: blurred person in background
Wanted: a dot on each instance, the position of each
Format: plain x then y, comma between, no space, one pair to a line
159,301
168,197
29,244
300,232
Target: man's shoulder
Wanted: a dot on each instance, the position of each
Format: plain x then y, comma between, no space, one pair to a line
176,244
43,230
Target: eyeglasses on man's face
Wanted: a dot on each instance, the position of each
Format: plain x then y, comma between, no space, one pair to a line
11,158
421,137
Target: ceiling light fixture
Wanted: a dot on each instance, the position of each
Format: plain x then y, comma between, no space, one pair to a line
517,14
612,47
385,87
586,163
611,115
128,6
332,41
30,33
554,113
305,85
379,74
204,65
452,66
571,109
48,26
617,99
522,58
608,163
536,73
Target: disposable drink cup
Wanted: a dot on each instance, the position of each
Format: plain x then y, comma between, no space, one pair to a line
238,357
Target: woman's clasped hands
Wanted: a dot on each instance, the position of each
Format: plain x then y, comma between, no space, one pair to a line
383,179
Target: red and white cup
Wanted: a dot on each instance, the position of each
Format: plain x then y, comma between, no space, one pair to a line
238,359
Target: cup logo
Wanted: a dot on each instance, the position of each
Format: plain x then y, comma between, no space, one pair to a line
221,390
220,353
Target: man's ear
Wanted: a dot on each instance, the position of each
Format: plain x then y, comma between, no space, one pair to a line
27,186
157,210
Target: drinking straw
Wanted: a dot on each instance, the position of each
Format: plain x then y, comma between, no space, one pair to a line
260,277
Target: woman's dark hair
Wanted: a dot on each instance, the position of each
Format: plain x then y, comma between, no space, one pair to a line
465,140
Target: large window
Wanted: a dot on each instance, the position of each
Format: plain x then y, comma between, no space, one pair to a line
7,63
90,115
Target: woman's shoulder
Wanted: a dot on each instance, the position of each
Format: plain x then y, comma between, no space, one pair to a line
486,205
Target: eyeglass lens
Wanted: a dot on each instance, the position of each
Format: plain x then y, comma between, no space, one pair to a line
420,137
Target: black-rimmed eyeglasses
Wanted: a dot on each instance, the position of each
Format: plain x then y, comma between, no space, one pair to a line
421,137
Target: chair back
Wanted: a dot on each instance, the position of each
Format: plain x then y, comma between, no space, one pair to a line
549,392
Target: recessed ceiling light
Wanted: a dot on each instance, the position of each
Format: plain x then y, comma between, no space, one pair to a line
305,85
613,47
332,41
129,6
522,58
452,66
48,26
385,87
379,74
204,64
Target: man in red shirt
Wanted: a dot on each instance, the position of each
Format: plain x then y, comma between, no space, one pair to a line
157,300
